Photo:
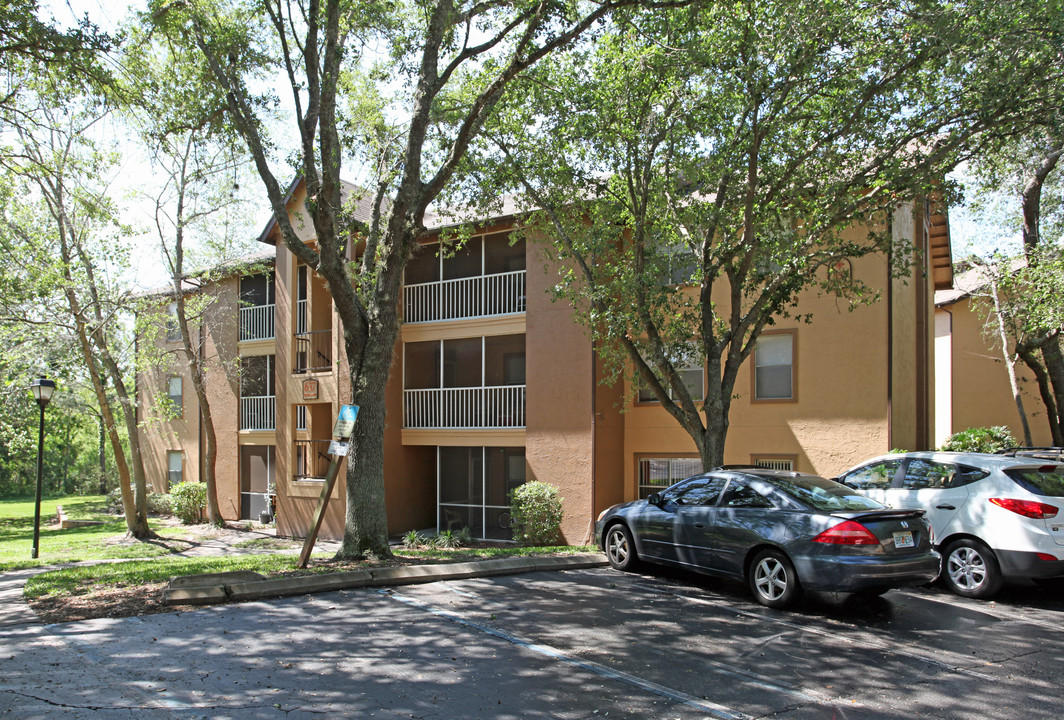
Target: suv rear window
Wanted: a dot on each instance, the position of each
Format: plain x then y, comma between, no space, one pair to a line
1047,480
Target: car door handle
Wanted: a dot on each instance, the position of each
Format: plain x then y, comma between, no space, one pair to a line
944,507
700,525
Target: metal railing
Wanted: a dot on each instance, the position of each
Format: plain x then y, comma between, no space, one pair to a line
313,351
311,459
256,322
472,407
301,317
258,412
479,296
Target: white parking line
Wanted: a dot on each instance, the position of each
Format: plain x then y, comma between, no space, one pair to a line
713,709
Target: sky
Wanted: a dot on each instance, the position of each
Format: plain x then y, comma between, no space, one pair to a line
971,231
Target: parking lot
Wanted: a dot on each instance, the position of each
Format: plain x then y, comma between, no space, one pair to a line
577,644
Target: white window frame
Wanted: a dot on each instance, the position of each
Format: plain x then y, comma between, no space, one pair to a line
177,400
677,468
792,337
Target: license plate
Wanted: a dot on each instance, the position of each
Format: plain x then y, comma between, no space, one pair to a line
903,540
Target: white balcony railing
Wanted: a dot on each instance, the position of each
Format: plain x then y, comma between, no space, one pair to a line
471,407
256,322
258,412
472,297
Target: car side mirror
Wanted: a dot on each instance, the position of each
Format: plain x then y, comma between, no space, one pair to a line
654,499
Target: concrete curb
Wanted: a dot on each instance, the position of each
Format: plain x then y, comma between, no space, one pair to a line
195,593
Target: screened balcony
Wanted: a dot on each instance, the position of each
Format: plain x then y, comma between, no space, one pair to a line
258,412
258,394
465,383
256,307
485,277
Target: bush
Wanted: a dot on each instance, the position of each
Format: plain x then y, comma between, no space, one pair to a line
981,439
188,499
536,513
158,503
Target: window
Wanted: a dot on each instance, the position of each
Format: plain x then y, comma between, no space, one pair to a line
301,417
656,474
774,367
692,373
741,495
173,330
920,474
773,462
176,395
872,477
697,491
175,461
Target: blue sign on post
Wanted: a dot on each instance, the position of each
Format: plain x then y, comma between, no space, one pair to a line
345,421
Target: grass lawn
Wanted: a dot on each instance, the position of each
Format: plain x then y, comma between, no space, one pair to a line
61,546
90,578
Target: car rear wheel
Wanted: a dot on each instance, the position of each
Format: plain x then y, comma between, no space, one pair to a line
620,550
773,580
970,569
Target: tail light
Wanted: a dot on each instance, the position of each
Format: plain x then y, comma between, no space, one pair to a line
847,533
1027,508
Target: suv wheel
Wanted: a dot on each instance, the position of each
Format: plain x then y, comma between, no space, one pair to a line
970,569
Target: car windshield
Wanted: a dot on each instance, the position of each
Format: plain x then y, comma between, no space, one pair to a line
1046,480
824,495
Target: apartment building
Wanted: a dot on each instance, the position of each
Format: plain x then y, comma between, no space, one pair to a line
494,384
970,373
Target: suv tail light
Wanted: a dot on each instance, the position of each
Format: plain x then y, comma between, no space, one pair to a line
1027,508
847,533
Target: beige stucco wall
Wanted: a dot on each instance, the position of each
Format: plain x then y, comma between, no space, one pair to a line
981,395
161,434
841,414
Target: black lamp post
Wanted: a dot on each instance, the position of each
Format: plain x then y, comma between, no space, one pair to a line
42,389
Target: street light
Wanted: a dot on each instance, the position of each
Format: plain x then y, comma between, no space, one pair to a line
42,389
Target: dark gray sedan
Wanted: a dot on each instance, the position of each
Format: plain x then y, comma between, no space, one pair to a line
780,531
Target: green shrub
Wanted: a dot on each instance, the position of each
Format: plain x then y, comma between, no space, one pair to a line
188,499
536,513
160,503
980,439
448,540
413,539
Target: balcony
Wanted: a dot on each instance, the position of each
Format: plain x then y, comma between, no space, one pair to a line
469,297
258,412
313,351
311,459
256,322
500,407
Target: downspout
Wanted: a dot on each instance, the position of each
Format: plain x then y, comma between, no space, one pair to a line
590,536
199,413
890,336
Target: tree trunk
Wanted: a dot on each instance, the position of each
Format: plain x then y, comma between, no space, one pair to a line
1010,363
103,458
1054,363
366,527
1044,392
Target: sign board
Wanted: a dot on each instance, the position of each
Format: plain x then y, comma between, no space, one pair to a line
310,389
345,421
339,448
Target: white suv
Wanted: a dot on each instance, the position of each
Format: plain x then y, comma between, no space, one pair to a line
994,517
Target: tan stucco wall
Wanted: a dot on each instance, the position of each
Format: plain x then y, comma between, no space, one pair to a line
559,429
160,435
841,414
981,395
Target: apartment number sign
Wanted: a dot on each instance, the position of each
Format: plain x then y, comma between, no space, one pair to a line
310,389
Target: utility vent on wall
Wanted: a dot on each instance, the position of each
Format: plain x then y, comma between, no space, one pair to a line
775,463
